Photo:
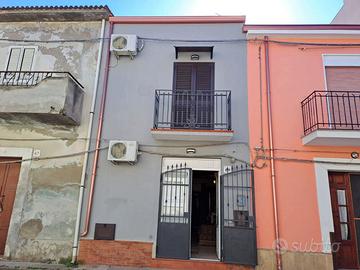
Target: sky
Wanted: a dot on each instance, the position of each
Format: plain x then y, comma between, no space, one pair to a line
256,11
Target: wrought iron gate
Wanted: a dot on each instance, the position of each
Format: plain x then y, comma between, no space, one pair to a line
238,217
173,237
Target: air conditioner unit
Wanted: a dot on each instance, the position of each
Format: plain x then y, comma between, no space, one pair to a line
123,151
123,44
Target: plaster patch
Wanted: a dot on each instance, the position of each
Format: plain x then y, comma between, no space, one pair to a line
31,228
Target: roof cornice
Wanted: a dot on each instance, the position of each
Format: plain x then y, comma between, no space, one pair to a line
176,19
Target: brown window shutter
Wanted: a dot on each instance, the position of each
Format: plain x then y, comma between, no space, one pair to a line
183,76
205,76
343,78
343,106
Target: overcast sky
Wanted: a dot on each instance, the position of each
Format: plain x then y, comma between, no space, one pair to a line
256,11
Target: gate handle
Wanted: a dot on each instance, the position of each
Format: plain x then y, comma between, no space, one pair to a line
356,218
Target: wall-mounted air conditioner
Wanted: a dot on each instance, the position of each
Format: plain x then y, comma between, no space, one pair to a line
123,44
123,151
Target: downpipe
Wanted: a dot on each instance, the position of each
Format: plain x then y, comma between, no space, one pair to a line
75,246
98,138
272,162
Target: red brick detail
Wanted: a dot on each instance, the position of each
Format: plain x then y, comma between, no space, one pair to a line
138,254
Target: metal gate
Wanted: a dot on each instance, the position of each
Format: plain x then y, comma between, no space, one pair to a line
238,217
173,237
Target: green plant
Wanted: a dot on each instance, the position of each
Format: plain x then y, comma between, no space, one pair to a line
67,262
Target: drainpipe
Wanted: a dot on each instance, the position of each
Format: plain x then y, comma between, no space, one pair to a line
87,147
272,165
98,137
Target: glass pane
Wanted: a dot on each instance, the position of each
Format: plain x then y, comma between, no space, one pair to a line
343,214
344,232
341,197
27,59
13,59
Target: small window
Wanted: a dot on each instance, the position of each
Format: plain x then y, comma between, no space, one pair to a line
20,59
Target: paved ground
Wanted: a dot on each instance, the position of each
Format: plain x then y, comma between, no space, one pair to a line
11,265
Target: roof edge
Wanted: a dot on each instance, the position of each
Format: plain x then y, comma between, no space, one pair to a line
176,19
248,27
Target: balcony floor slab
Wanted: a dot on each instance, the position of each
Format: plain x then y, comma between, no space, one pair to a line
193,135
332,138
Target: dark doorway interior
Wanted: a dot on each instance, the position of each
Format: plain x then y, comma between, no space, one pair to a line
203,217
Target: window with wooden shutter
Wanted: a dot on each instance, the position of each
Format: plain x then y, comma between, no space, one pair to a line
343,78
343,104
193,95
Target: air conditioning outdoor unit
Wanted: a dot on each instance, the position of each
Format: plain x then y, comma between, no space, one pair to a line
123,151
123,44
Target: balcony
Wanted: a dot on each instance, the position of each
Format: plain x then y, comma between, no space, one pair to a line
192,115
331,118
46,96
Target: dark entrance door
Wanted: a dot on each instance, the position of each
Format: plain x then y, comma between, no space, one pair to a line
238,217
173,237
204,215
193,96
344,237
9,175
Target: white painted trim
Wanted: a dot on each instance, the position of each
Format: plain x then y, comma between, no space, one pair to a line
21,190
323,193
326,89
341,60
196,164
192,135
333,138
302,32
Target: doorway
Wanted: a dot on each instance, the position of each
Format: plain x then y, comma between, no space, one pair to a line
204,215
344,193
9,175
206,220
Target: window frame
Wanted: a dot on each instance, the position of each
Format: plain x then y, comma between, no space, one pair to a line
22,50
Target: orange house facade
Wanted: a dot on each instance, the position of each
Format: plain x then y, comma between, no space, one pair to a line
304,117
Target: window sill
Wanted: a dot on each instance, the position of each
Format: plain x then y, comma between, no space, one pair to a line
192,135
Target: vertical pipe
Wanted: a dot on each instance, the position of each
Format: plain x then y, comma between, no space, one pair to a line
87,147
98,138
272,162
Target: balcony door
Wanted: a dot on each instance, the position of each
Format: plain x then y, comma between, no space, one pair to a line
193,96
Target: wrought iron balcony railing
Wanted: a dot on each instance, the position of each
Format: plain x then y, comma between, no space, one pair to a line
185,109
331,110
31,78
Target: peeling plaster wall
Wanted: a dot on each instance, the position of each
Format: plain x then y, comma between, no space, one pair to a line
44,231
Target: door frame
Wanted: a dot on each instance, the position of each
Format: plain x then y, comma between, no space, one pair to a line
345,186
323,193
21,190
196,164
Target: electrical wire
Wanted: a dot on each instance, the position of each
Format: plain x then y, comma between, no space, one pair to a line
195,156
195,145
307,151
52,157
286,159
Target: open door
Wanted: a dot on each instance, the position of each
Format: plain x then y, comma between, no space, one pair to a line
238,217
173,237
